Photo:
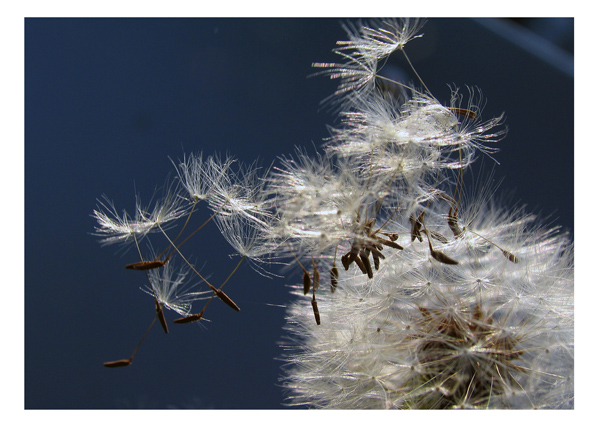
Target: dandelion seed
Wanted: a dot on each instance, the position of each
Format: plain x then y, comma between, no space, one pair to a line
510,256
146,265
392,236
118,363
334,275
438,255
416,225
306,282
464,112
315,308
345,261
364,257
316,277
226,299
438,237
453,224
127,362
390,244
161,316
189,318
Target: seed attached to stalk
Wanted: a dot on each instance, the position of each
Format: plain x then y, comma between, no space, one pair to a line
226,299
453,223
438,236
189,318
391,244
306,282
147,265
361,265
510,256
442,258
416,224
334,275
316,276
313,302
464,112
438,255
118,363
345,261
364,257
161,316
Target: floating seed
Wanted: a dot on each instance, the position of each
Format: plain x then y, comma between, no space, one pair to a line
146,265
118,363
225,298
189,318
161,316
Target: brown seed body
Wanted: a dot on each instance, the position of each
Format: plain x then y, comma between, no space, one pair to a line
334,274
316,279
346,261
306,282
189,318
376,260
161,316
392,245
146,265
416,224
464,112
364,257
360,265
453,223
313,302
510,256
118,363
438,236
442,258
225,298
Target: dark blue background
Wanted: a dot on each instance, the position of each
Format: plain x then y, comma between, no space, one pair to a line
108,101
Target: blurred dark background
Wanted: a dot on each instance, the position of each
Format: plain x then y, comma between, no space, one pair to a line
108,101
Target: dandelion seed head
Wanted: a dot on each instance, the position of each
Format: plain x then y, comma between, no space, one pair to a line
453,336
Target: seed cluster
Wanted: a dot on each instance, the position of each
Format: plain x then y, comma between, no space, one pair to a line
443,301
